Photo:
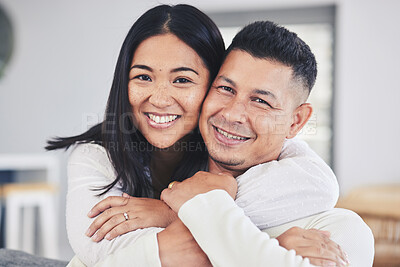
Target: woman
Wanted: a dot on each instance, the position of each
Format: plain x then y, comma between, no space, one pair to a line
149,136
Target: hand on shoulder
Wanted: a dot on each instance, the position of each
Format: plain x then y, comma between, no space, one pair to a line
202,182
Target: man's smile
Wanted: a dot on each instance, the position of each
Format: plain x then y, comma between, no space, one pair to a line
228,138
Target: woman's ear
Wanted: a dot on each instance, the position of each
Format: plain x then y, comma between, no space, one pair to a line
300,117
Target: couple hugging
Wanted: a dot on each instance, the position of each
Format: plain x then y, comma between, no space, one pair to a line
196,164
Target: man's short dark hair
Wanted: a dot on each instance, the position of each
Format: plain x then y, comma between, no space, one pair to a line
267,40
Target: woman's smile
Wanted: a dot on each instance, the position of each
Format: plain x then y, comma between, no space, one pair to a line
161,121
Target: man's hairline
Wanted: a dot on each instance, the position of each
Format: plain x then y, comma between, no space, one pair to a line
296,82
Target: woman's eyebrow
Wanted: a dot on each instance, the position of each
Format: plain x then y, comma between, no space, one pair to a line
184,69
143,67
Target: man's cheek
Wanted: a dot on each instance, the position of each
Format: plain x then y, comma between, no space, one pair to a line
272,125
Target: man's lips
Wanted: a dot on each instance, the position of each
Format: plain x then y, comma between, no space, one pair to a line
228,138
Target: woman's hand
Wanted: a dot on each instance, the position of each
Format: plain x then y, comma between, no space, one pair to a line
141,213
315,245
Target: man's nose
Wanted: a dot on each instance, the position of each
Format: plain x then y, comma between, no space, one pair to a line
235,112
161,96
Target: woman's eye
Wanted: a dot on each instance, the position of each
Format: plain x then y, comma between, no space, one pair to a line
143,77
182,80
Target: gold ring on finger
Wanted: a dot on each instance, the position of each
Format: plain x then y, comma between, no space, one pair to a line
171,184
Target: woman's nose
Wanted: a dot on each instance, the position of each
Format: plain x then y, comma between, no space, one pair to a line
161,96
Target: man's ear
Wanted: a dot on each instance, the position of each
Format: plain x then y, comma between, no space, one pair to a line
300,117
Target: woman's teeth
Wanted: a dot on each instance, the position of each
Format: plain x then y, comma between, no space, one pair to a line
228,135
162,119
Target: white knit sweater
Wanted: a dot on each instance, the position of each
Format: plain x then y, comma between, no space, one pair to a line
299,184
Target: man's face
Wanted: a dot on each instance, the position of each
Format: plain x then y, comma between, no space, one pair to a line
248,112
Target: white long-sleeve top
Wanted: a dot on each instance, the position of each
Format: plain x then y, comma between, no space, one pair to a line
299,184
225,234
230,239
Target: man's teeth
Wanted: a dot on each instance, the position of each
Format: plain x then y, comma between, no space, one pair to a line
162,119
228,135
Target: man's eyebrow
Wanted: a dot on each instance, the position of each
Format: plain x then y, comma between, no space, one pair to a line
143,67
264,92
226,79
184,69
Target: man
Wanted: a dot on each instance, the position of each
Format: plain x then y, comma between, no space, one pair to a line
256,102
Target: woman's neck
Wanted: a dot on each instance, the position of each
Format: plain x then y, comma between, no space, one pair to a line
163,164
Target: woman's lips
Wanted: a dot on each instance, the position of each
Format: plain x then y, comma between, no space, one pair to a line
161,121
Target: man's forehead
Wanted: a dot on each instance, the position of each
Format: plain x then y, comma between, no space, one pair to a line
242,69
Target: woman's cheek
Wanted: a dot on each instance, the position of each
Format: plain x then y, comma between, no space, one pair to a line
194,101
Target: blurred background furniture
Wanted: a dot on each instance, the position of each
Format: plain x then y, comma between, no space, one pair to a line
31,218
29,200
379,206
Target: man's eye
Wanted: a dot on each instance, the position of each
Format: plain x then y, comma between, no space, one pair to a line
261,101
226,88
182,80
143,77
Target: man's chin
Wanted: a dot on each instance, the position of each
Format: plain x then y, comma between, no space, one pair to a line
232,162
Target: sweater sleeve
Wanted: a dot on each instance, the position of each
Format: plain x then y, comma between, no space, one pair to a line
141,253
88,168
297,185
347,229
228,237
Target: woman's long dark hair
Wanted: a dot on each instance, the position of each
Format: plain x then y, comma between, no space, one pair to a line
128,150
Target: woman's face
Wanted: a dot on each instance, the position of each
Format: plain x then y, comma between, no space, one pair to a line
168,83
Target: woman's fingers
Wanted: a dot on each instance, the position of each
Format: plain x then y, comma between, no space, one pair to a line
107,203
322,262
314,244
325,233
324,252
108,226
123,228
324,242
103,218
143,211
315,234
126,195
320,251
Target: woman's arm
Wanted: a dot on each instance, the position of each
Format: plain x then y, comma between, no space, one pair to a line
297,185
90,168
228,237
346,228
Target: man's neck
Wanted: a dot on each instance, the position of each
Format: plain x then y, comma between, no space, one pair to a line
215,167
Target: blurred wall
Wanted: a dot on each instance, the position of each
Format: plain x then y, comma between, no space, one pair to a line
65,51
